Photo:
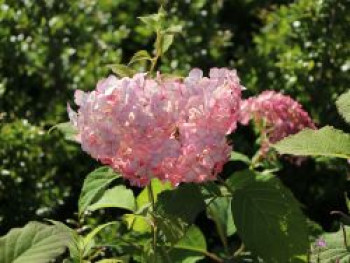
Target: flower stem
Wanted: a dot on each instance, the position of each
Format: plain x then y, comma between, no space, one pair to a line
344,235
154,226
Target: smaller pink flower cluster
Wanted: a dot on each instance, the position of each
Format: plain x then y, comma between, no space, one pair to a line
165,128
276,115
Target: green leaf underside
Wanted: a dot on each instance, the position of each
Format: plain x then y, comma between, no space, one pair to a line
140,56
190,248
34,243
122,70
334,250
343,105
327,141
167,40
94,185
117,197
270,222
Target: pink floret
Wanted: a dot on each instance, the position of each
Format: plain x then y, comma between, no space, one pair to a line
169,129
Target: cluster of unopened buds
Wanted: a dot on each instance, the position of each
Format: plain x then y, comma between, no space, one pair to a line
170,128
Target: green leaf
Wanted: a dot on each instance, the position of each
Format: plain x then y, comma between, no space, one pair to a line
138,223
141,223
111,260
240,179
75,241
335,250
174,29
236,156
88,240
343,105
34,243
154,21
190,248
157,188
184,202
176,209
94,185
211,190
270,222
68,130
219,210
139,56
118,197
166,41
327,141
122,70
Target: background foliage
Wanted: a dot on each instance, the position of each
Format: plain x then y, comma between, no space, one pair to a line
50,48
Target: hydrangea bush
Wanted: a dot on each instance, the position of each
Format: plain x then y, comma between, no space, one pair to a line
168,136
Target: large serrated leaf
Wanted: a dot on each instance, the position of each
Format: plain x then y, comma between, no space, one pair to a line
327,141
117,197
34,243
335,251
94,185
270,222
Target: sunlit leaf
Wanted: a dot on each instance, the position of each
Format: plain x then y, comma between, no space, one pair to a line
190,248
94,186
140,56
327,141
34,243
117,197
68,130
122,70
343,105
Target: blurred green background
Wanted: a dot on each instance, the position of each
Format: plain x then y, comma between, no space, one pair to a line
49,48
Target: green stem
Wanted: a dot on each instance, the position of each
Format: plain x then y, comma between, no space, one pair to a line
344,235
158,52
210,255
154,227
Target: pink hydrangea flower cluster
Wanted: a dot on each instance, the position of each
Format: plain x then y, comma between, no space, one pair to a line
171,129
276,115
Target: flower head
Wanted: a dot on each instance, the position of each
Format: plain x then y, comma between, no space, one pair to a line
165,128
276,115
